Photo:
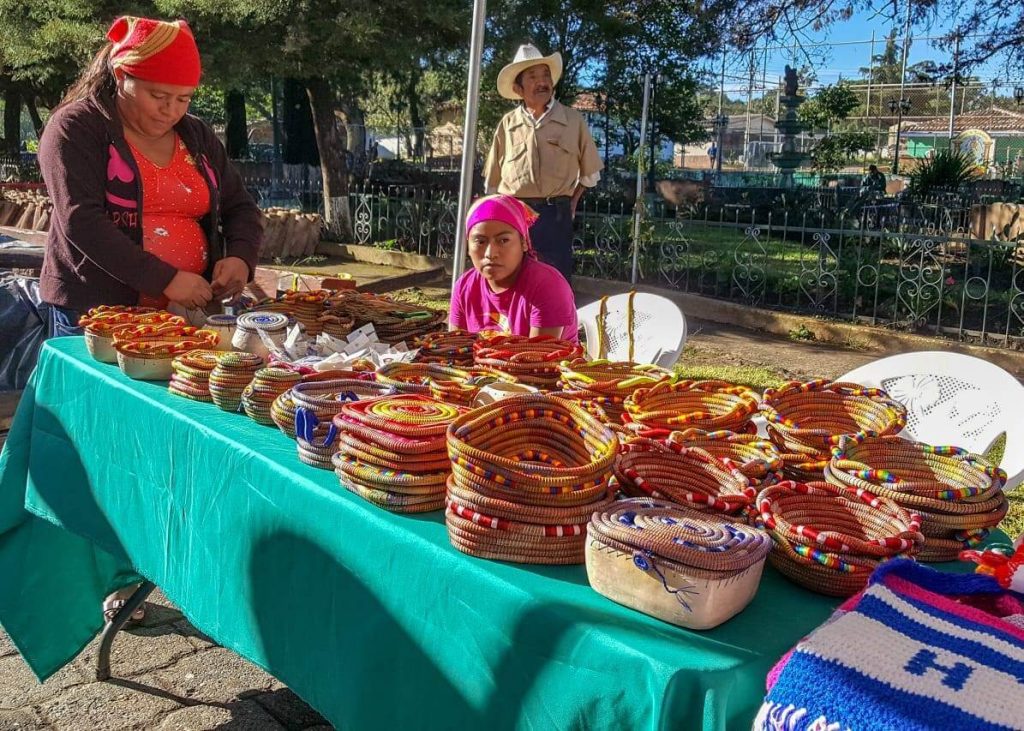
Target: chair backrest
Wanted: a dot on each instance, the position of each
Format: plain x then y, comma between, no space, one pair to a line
954,399
659,329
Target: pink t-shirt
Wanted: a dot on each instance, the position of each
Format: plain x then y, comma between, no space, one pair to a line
540,297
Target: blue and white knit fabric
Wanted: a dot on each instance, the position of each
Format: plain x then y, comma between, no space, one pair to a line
905,655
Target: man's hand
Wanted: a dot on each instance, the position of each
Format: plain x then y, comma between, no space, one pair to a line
230,275
189,290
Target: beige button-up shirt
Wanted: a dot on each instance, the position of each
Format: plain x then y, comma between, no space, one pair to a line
542,159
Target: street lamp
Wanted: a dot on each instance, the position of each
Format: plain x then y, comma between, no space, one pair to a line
900,107
721,122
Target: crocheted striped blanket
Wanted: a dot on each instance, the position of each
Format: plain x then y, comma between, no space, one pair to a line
917,649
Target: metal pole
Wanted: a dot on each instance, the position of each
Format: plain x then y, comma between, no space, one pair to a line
721,136
903,80
476,45
640,178
746,130
871,74
654,132
952,95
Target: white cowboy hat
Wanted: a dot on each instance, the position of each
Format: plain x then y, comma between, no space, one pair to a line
527,56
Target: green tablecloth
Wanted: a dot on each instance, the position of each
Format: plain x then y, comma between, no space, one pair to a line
372,618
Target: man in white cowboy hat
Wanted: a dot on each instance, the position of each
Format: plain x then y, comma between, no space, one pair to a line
542,153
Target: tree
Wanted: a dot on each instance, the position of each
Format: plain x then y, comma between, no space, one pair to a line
829,104
837,149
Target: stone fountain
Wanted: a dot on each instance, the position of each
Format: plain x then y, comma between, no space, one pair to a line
788,159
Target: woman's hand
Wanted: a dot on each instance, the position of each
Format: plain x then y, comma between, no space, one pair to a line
189,290
230,275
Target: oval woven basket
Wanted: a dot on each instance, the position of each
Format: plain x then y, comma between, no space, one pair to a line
829,538
756,458
958,495
146,352
713,405
691,569
453,347
609,383
527,472
806,419
684,475
532,361
191,374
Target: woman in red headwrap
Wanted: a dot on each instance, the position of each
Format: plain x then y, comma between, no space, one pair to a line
508,289
146,207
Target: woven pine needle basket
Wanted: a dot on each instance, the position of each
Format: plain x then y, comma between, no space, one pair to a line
684,475
829,538
527,473
609,383
713,405
453,347
806,419
532,361
756,458
958,495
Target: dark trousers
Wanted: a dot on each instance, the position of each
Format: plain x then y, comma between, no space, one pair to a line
63,322
552,234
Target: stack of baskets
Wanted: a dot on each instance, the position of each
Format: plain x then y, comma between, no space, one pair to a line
713,405
321,396
532,361
393,321
267,384
146,352
391,451
958,495
252,327
191,377
691,569
608,383
233,372
829,538
805,420
101,322
757,458
527,473
305,306
445,383
687,476
313,408
454,347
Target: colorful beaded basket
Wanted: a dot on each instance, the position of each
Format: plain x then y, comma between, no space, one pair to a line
454,347
829,538
445,383
683,475
713,405
233,372
609,383
101,322
391,451
691,569
393,321
146,352
527,473
757,458
313,408
807,419
191,374
958,495
267,384
532,361
306,306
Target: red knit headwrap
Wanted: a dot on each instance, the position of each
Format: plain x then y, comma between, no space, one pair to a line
155,50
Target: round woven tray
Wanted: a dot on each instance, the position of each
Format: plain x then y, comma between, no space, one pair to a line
958,495
829,538
713,405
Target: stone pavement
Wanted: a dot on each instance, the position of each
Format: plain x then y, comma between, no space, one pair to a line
168,677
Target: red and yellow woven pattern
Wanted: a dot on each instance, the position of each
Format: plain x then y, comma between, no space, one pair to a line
393,321
687,476
958,495
445,383
713,405
807,419
391,451
527,473
757,458
164,340
532,361
454,347
306,306
608,383
830,538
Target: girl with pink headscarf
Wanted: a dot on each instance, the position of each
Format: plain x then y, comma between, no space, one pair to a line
508,289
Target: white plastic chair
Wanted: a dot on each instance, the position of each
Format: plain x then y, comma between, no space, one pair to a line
954,399
659,329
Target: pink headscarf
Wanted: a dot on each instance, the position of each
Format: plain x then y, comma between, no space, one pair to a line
508,210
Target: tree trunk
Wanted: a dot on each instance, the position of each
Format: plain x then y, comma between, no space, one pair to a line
33,113
12,123
300,140
412,96
236,132
331,141
355,131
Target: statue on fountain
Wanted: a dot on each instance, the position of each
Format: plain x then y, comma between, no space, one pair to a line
790,81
